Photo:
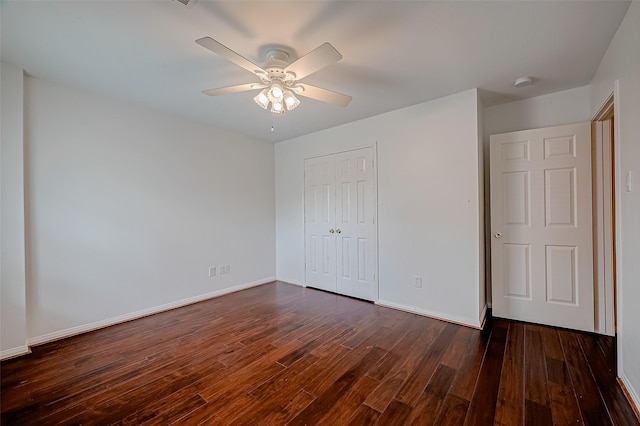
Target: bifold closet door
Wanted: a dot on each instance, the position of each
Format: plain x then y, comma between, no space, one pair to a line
340,228
355,224
320,218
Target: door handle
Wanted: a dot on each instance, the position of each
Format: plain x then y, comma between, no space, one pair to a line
331,231
497,235
339,231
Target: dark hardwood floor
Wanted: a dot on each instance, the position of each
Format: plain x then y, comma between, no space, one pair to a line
280,354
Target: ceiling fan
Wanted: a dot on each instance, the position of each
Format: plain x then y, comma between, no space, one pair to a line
279,80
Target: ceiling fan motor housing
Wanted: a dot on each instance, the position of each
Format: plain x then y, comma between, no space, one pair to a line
277,61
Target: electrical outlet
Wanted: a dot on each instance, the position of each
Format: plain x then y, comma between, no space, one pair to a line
212,271
417,281
227,269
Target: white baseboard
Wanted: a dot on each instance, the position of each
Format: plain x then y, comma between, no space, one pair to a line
630,391
85,328
468,322
13,352
483,316
291,281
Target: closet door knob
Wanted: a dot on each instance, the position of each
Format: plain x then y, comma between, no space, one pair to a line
338,231
331,231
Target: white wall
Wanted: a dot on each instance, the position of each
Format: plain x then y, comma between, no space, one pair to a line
12,248
621,63
554,109
128,208
428,204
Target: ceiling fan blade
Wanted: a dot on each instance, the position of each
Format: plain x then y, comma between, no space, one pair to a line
222,50
232,89
323,95
315,60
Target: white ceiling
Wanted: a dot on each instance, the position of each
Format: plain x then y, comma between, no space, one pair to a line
396,53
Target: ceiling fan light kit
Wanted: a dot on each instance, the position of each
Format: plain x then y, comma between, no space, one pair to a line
279,80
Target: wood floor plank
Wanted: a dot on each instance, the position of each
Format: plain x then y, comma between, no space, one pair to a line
483,403
395,414
593,409
343,385
329,333
277,354
251,374
564,406
278,393
416,383
349,402
537,414
455,353
426,409
335,365
226,397
604,374
288,411
362,333
401,372
453,411
330,345
536,389
165,413
396,353
465,381
510,405
281,393
363,416
551,343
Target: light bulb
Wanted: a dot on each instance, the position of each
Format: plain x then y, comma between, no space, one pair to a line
276,90
277,107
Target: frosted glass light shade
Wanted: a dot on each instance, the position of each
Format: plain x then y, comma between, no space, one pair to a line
277,107
262,99
290,100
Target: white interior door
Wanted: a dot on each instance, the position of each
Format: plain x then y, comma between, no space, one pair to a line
320,217
541,243
340,229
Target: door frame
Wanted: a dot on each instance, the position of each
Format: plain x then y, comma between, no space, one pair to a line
604,287
611,109
376,268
